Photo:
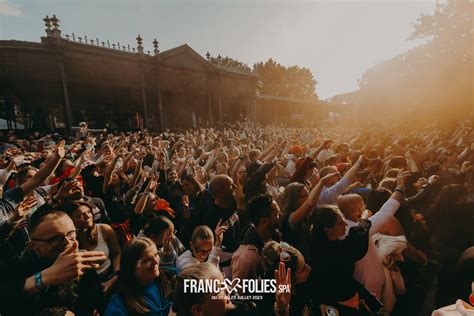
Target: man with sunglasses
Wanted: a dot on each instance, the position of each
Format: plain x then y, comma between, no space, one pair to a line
51,271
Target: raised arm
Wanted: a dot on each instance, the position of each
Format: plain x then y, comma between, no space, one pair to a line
44,172
140,206
108,173
330,195
392,205
136,173
325,145
126,160
310,203
352,173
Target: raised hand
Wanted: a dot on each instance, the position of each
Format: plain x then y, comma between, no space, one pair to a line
433,179
402,178
185,201
167,242
283,284
326,143
219,233
363,162
59,151
151,185
22,209
65,190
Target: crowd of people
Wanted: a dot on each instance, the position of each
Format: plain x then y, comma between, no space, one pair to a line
349,220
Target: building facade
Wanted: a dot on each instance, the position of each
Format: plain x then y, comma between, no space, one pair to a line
65,79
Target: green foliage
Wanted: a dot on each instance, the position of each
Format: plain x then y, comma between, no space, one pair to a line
294,82
276,80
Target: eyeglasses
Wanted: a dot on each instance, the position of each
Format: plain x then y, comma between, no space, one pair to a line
59,239
284,255
150,261
203,251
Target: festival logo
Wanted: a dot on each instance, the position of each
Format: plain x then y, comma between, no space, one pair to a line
252,289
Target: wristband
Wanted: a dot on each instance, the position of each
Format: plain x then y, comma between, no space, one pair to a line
399,190
38,281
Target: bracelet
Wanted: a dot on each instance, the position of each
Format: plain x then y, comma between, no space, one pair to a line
399,190
38,281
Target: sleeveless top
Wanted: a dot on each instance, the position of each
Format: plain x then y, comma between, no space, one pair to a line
102,246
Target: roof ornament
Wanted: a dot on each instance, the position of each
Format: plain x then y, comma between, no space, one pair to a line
156,51
56,32
139,46
47,23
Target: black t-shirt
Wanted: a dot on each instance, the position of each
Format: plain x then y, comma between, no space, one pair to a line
297,236
98,209
230,217
333,264
115,204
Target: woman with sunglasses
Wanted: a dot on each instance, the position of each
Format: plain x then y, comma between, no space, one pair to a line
97,237
274,254
203,247
143,288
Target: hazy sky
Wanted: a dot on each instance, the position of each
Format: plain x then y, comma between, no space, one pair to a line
337,40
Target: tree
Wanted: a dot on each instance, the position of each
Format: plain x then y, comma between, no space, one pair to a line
435,77
277,80
228,62
294,82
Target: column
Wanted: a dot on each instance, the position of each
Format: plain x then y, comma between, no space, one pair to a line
145,106
67,104
219,97
209,104
160,101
